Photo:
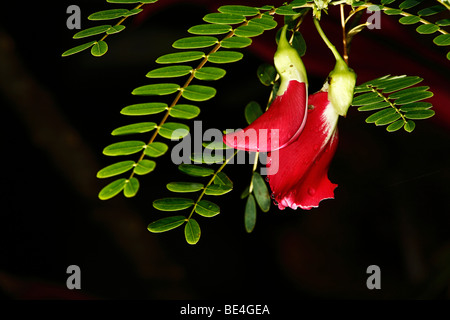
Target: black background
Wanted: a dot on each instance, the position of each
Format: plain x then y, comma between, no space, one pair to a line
391,207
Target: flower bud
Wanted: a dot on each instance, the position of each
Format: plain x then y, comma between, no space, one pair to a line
288,63
341,87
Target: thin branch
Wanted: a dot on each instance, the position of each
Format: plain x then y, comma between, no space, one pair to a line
211,181
344,34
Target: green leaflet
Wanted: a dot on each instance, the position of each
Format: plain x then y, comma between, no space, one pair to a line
158,89
206,158
442,40
416,106
413,97
298,3
409,4
250,214
419,114
123,148
374,106
249,31
112,189
399,83
116,169
397,125
156,149
209,73
392,12
431,10
409,126
173,130
78,48
409,91
222,179
236,42
216,145
443,22
299,43
217,190
225,57
208,29
91,31
266,74
99,48
180,57
427,28
198,92
224,18
388,119
261,192
115,29
266,7
207,208
380,114
170,72
173,204
109,14
366,99
285,11
192,231
140,127
142,109
252,111
166,224
238,9
144,166
184,111
266,22
184,186
195,171
195,42
131,187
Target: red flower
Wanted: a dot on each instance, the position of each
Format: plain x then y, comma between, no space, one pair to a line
286,117
301,139
301,179
278,126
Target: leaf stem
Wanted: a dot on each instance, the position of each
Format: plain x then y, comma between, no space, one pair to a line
333,49
344,34
211,181
388,101
122,20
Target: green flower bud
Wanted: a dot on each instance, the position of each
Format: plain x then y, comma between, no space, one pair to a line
341,87
288,63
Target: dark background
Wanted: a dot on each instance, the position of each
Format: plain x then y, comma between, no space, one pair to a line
391,207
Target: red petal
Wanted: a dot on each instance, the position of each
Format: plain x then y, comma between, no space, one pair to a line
301,179
281,124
